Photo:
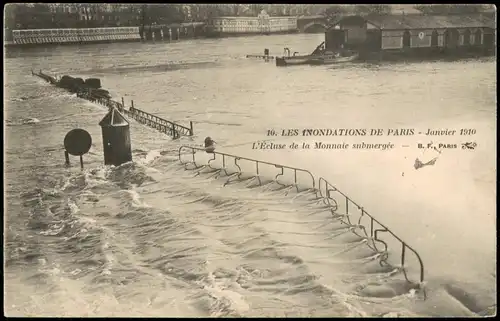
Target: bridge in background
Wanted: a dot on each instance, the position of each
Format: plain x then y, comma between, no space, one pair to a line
311,24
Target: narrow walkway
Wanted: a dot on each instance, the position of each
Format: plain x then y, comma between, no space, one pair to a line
162,125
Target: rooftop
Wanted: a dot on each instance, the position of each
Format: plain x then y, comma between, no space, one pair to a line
113,118
418,21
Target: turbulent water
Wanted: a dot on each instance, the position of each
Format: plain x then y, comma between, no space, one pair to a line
149,238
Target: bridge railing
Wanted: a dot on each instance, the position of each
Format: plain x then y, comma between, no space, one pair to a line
150,120
159,123
117,105
165,126
45,77
340,205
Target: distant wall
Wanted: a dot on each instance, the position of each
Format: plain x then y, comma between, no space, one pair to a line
83,35
260,24
173,32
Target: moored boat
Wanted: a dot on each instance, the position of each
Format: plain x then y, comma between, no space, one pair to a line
292,61
331,59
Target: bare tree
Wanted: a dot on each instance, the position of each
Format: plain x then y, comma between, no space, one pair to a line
369,9
163,14
255,9
213,11
236,10
333,13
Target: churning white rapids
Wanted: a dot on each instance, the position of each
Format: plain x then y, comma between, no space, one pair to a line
149,238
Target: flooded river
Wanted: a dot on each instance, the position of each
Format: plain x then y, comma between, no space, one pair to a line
149,238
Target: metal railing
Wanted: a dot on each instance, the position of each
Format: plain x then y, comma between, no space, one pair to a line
325,190
152,121
158,123
45,77
261,57
228,160
341,209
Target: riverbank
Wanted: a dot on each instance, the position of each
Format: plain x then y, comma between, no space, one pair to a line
40,37
165,33
29,37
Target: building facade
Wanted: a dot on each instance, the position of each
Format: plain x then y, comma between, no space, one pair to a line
71,15
412,33
262,24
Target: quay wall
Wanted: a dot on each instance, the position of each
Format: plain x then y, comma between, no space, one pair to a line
217,28
68,35
34,37
173,32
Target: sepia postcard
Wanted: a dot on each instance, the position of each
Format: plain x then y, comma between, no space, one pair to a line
249,160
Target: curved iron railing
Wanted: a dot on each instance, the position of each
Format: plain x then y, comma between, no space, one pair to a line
238,172
323,191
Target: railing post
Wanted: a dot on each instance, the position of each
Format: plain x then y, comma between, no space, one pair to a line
132,103
66,156
403,252
191,128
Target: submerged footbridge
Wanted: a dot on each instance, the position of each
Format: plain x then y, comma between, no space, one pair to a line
87,90
378,237
391,251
